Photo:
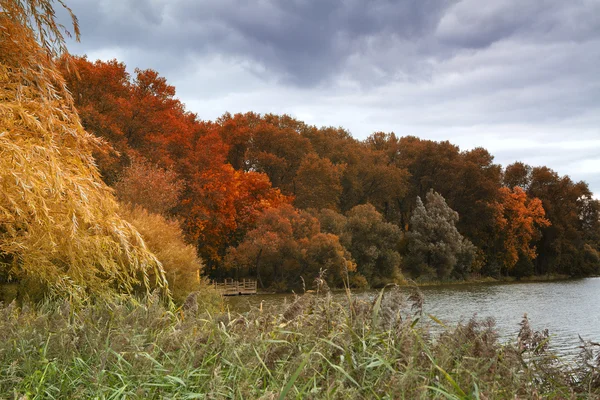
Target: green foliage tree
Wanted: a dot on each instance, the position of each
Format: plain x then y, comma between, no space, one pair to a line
435,247
373,243
58,221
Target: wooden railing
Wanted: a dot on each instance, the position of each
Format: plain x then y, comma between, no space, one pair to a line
232,287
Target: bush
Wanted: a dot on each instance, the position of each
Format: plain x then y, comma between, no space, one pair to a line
165,239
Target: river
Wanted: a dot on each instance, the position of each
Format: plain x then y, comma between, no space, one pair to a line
566,308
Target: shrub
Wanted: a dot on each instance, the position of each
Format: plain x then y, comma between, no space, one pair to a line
165,239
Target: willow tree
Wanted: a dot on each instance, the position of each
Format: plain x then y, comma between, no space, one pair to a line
59,223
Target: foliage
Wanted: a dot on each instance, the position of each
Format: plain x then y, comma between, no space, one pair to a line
151,187
517,174
518,219
373,244
166,241
238,166
37,17
222,205
574,215
58,221
315,348
318,183
434,244
287,249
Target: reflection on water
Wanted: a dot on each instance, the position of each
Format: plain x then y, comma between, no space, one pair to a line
567,308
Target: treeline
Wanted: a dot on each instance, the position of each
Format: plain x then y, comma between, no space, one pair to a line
271,197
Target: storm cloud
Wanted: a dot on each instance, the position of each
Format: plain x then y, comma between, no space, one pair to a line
519,78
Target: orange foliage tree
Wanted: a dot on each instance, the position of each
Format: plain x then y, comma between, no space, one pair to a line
286,248
222,204
59,223
136,115
518,219
318,183
156,189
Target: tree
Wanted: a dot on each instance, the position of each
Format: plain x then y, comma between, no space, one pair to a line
434,244
318,183
373,244
517,174
58,221
137,115
287,248
165,239
156,189
574,215
100,91
271,145
518,220
369,178
221,204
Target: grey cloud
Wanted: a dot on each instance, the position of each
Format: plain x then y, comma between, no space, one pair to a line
470,71
310,42
303,42
474,24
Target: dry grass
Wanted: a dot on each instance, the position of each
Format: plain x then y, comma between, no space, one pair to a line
315,349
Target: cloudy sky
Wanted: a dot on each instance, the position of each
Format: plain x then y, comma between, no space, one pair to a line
518,77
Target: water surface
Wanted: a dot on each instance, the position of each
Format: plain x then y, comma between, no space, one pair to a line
566,308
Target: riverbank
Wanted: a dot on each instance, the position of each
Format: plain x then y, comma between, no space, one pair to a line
487,280
313,348
491,280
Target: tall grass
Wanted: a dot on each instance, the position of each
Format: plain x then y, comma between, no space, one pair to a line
314,348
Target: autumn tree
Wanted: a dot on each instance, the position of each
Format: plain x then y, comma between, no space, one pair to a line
166,240
277,150
331,221
574,214
335,144
221,204
318,183
435,246
156,189
519,218
517,174
287,248
58,220
137,115
100,91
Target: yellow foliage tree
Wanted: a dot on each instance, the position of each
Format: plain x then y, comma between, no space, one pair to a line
59,223
166,240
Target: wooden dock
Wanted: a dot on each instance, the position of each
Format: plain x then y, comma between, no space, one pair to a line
232,287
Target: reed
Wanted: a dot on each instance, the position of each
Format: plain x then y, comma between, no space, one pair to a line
315,348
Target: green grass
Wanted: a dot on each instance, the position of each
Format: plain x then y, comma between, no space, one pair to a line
315,348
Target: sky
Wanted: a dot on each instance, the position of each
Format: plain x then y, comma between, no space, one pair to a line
520,78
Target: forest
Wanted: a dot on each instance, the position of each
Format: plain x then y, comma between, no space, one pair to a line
270,197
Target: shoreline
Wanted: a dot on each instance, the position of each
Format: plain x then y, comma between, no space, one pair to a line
474,281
